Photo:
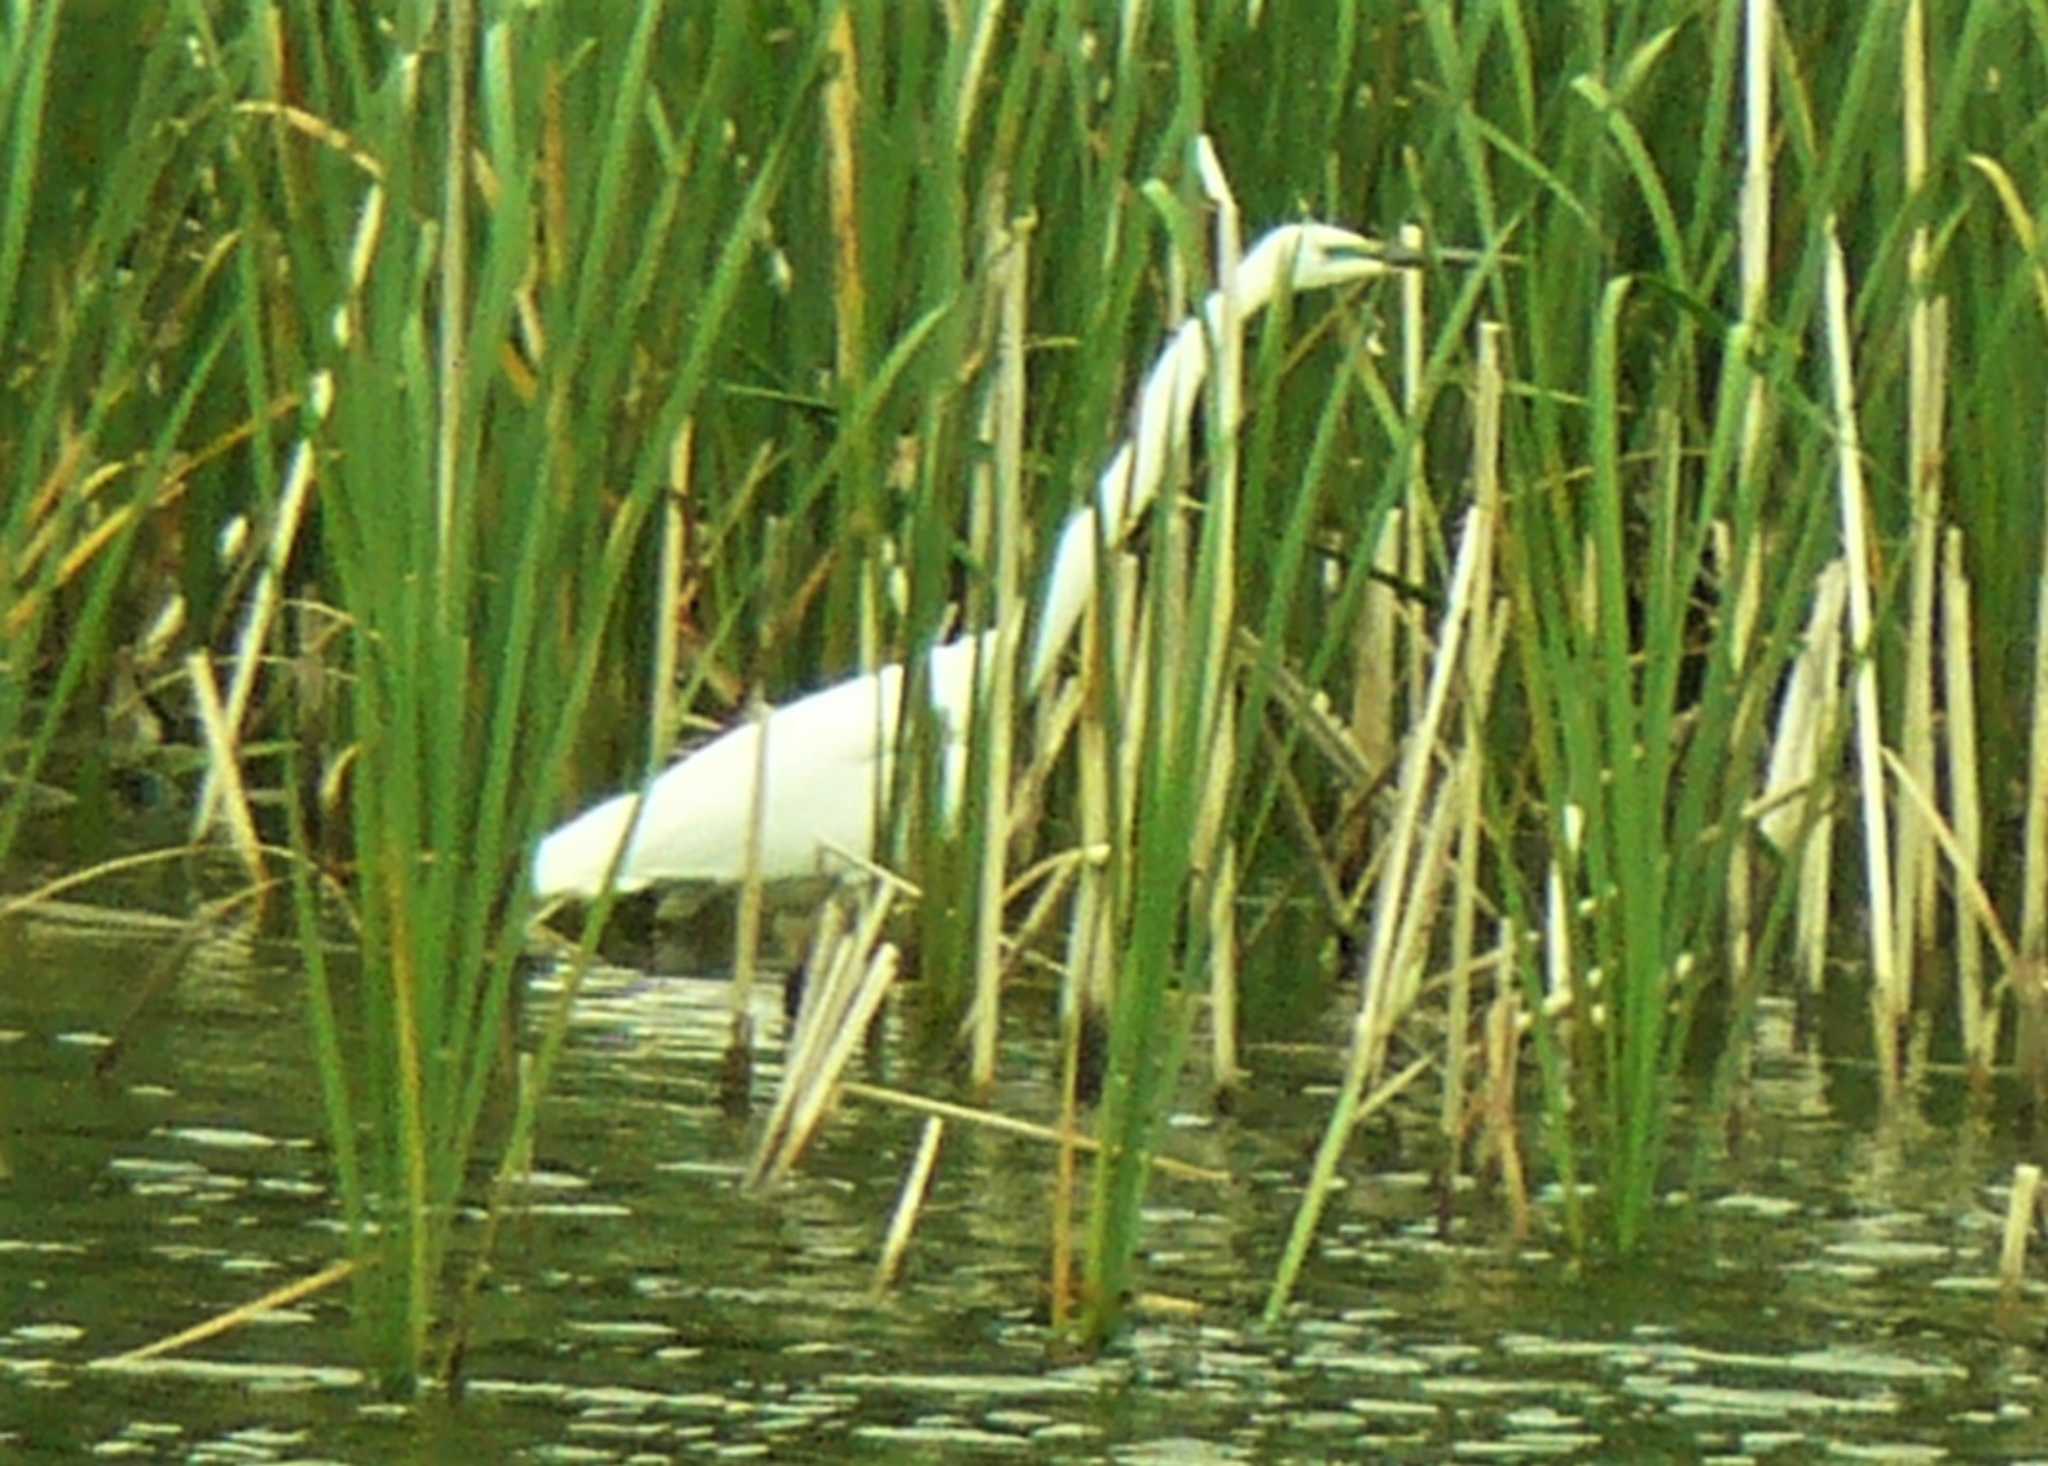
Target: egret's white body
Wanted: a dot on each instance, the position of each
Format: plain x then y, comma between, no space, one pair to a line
830,754
830,759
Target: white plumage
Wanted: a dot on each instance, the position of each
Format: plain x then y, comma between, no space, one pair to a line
829,766
830,754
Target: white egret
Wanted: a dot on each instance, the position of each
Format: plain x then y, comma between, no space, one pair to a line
830,754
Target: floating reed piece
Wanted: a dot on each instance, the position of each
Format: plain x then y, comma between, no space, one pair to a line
2022,1205
234,1318
1022,1129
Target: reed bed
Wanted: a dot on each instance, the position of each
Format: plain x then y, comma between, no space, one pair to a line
432,420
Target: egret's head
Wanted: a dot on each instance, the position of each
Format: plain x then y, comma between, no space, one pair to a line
1325,255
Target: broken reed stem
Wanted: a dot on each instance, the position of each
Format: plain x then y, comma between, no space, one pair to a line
2020,1207
1967,884
849,975
47,893
1052,876
1418,755
235,1317
224,768
909,1205
1088,924
816,1063
1418,918
1503,1055
1225,1070
1308,825
263,608
1054,719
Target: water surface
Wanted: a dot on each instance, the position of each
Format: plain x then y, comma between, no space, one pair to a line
1826,1295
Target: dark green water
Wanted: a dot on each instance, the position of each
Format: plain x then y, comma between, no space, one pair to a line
1828,1296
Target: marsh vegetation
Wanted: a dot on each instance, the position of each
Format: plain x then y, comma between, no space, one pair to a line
420,421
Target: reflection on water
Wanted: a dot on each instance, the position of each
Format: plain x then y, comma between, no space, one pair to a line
1827,1295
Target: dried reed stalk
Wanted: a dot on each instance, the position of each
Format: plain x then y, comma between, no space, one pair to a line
1924,375
999,519
1890,1000
909,1205
1979,1014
